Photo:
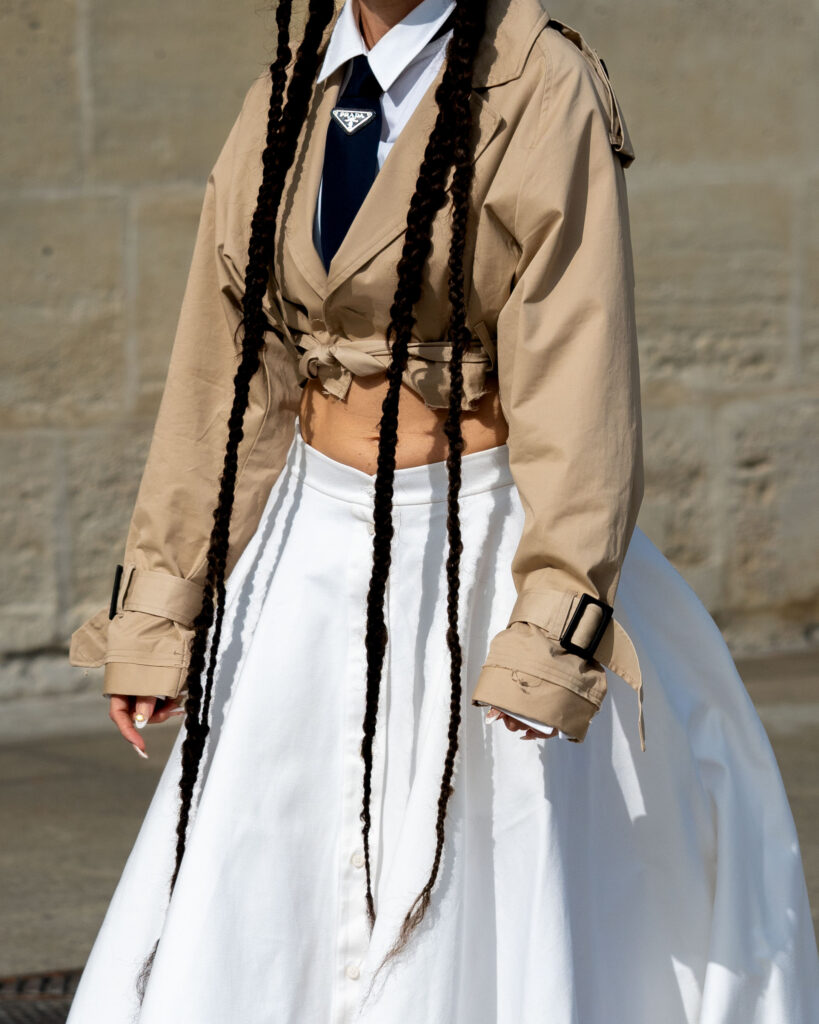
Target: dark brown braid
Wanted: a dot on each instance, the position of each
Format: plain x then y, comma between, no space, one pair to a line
448,147
280,145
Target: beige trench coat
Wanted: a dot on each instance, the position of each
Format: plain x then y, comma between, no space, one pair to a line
550,298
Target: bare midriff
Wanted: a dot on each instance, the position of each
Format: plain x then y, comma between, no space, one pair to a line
347,429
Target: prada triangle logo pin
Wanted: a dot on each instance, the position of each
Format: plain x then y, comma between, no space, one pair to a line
352,120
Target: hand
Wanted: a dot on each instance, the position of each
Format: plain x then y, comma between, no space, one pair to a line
125,711
516,726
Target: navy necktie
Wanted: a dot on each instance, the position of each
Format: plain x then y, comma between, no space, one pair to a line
350,155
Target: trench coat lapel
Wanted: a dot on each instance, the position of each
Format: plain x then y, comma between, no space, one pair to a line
383,214
298,234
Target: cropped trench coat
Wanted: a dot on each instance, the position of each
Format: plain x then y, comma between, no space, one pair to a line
550,304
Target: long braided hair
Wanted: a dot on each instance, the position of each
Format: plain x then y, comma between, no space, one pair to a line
447,151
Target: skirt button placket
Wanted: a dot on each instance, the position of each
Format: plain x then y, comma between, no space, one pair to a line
353,927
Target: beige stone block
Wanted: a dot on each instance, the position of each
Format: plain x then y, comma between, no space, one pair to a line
59,373
40,113
809,221
168,82
64,252
62,306
29,469
33,674
755,632
714,275
166,231
679,512
711,81
772,550
104,468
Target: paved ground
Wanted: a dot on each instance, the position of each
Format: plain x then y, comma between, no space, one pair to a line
72,796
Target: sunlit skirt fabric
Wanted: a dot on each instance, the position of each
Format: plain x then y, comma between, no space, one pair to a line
581,883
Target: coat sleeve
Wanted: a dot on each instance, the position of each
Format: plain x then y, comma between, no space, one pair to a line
570,390
145,645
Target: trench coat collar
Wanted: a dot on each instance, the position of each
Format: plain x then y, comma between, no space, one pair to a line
511,29
512,26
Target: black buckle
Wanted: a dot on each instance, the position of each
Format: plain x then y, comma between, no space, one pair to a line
588,651
112,611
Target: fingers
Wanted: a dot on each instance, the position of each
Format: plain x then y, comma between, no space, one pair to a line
536,734
515,725
143,710
120,712
511,723
533,734
165,709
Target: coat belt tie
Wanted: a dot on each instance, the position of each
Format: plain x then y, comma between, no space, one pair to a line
335,359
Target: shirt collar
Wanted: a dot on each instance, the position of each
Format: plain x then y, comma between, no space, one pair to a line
395,51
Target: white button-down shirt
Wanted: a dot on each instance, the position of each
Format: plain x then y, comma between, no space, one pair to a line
405,62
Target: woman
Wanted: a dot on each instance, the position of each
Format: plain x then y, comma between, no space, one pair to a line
407,355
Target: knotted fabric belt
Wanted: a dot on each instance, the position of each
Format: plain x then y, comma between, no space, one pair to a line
335,360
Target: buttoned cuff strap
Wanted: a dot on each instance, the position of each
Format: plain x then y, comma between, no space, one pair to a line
157,593
551,610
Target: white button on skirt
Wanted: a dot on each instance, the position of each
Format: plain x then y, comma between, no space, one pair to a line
584,883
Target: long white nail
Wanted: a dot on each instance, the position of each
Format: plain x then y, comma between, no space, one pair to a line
140,752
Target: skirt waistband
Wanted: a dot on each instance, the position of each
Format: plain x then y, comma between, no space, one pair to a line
480,471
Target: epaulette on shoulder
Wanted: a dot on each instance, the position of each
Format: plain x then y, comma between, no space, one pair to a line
618,131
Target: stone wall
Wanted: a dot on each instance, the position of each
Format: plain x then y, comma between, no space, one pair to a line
113,114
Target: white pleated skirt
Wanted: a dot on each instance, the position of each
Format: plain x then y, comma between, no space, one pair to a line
588,883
